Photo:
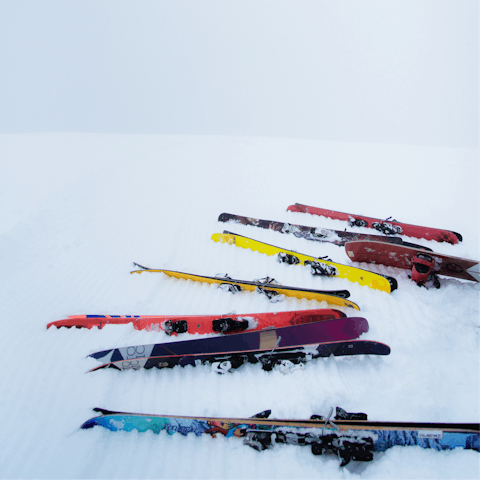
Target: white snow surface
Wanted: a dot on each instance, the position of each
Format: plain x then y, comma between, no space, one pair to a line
78,209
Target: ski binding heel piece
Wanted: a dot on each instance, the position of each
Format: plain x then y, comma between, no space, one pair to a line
180,326
230,287
226,325
357,222
320,268
272,295
287,366
258,439
341,414
387,228
287,228
222,367
319,233
287,258
266,280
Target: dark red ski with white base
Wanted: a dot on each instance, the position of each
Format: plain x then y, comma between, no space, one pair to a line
422,263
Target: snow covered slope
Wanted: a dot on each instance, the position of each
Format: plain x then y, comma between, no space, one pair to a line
78,209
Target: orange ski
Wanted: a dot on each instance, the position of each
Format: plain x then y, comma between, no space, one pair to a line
174,324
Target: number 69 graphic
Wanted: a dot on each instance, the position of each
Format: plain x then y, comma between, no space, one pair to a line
131,364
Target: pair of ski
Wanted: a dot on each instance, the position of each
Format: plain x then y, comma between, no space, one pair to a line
350,436
400,255
376,249
287,348
265,286
175,324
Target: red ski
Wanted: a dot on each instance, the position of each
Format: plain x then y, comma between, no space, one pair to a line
174,324
421,262
387,227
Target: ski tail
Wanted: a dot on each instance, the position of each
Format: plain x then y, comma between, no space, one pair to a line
141,266
320,265
460,238
393,282
414,245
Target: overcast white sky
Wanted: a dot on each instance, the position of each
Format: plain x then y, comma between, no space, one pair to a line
388,71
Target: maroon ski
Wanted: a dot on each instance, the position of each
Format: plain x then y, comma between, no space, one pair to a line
422,263
387,227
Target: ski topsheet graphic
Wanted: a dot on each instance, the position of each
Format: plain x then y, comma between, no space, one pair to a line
175,324
286,347
265,286
318,266
337,237
350,436
421,263
387,227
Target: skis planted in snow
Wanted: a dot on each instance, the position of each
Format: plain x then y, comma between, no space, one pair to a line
350,436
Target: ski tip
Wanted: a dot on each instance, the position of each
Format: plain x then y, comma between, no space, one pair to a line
92,422
104,411
460,238
264,414
473,271
298,207
88,424
393,283
223,217
141,266
416,246
225,237
380,348
98,368
346,303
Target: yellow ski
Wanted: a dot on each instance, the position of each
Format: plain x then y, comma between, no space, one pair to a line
318,265
335,297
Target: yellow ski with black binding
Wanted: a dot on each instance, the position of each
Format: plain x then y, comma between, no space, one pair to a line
266,286
319,266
